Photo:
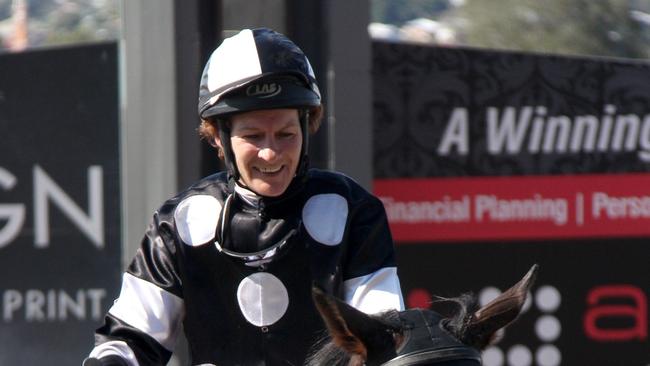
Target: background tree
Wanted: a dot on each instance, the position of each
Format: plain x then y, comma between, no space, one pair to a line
557,26
58,22
397,12
617,28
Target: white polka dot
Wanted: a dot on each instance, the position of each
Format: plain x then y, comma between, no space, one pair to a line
548,355
263,298
492,356
324,216
548,299
548,328
488,294
196,219
519,355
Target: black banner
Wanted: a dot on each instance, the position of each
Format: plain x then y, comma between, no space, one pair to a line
488,162
60,204
449,112
589,305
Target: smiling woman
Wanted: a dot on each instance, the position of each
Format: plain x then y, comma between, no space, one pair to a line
233,257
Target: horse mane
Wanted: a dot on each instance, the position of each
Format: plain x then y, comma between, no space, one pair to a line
325,352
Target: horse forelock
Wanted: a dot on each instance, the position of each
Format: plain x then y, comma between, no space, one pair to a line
326,352
456,324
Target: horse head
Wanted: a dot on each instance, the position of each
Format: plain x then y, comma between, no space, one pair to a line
416,336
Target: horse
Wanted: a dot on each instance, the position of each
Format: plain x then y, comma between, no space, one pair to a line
415,336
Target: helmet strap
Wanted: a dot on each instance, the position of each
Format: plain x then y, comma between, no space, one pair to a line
228,153
303,164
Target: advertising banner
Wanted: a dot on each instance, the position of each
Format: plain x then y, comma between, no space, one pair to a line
59,201
589,305
488,162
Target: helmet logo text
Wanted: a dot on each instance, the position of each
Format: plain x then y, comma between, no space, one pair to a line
265,90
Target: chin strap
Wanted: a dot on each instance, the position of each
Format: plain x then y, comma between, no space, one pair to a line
250,235
229,156
303,165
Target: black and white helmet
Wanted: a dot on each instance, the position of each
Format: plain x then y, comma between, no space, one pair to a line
253,70
256,69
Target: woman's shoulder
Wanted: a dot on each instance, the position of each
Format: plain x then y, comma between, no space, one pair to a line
327,181
214,186
330,178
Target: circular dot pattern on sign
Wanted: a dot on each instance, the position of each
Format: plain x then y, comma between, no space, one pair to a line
263,299
196,219
548,299
548,328
492,356
488,294
548,355
519,355
324,217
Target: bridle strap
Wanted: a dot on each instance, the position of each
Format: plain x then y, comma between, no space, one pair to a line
437,355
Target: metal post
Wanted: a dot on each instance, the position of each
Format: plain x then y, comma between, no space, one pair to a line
148,114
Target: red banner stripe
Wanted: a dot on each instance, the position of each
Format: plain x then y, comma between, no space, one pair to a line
524,207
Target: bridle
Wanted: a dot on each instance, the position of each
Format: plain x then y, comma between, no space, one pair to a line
433,356
427,342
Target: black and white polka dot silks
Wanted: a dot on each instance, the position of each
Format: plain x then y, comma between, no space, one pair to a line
262,298
179,275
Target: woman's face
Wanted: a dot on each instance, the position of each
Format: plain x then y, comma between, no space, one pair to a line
266,145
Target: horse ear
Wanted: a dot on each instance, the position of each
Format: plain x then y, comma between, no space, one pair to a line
498,313
354,331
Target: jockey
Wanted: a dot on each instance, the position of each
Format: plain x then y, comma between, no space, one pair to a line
231,260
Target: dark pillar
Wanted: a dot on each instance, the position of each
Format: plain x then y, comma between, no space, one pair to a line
306,24
198,31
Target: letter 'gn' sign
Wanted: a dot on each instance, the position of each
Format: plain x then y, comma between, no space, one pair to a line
59,201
